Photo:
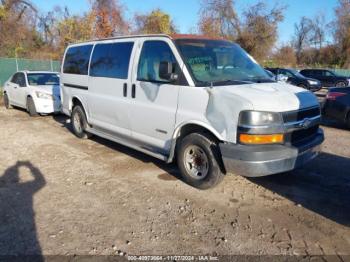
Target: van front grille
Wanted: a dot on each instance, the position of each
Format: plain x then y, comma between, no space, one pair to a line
299,115
303,135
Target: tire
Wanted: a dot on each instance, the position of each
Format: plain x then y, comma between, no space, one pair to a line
79,122
7,102
31,107
302,86
341,84
348,120
199,148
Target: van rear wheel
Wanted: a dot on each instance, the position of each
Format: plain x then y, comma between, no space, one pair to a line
79,122
199,162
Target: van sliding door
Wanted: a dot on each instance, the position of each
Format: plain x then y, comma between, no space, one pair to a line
108,86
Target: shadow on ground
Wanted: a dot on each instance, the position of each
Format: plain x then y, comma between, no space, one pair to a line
322,186
18,234
168,168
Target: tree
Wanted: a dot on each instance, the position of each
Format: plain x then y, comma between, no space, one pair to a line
318,31
156,22
218,18
255,31
18,28
259,32
285,56
301,39
341,31
109,18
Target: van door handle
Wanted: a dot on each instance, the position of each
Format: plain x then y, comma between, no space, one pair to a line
125,90
133,91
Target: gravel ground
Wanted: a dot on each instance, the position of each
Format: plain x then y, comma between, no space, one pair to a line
62,196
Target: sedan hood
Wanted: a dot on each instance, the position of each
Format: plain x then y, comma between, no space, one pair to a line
274,97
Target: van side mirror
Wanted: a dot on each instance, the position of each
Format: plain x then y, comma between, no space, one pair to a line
166,69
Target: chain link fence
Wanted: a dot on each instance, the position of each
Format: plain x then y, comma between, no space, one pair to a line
8,66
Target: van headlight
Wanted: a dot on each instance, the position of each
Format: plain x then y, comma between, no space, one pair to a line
259,118
43,95
260,128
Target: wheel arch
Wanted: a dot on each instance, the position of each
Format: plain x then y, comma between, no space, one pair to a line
187,128
78,101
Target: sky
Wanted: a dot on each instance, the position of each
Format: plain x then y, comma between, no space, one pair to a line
185,12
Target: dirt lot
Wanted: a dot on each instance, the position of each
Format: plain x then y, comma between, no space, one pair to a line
60,195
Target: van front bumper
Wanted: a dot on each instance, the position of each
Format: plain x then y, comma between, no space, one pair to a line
255,161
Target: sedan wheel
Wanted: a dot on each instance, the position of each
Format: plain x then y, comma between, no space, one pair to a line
7,102
341,84
31,107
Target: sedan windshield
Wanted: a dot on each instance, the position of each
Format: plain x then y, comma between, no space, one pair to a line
43,79
219,62
296,73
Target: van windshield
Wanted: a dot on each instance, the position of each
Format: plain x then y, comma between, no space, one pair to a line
219,62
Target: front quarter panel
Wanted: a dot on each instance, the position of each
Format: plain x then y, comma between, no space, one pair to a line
214,110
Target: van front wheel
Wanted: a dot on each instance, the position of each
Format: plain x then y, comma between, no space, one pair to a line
79,122
198,160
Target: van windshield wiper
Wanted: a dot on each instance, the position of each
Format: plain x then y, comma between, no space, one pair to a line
259,79
225,82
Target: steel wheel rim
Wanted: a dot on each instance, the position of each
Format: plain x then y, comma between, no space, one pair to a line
196,162
341,84
77,121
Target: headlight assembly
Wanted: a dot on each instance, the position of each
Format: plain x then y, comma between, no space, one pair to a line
258,118
311,82
43,95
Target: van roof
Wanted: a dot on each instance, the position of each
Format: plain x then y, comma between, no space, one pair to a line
170,36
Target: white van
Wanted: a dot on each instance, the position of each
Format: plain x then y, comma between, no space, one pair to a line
204,102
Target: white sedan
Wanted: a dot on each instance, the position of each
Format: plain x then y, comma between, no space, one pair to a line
37,92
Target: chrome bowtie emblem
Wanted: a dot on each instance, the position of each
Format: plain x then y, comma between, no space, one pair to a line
306,123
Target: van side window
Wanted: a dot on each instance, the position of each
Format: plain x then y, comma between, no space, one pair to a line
153,52
111,60
77,60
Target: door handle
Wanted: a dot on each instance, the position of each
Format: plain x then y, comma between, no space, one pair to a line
133,91
125,90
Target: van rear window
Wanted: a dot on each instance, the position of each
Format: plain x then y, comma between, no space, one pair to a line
77,60
111,60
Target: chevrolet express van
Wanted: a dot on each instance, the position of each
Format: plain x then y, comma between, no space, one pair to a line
203,102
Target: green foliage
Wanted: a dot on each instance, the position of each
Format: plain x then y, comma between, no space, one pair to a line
156,22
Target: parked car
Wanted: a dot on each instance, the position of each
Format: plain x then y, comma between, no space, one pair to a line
274,77
37,92
297,79
337,105
327,77
204,102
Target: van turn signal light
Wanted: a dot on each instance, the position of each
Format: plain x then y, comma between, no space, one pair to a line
261,139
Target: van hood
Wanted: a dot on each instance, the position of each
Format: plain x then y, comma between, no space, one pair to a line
48,89
274,97
225,103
